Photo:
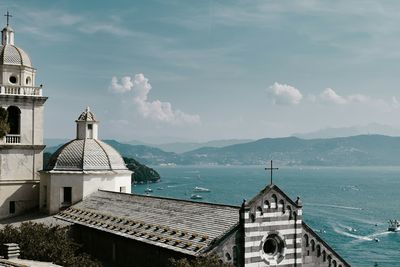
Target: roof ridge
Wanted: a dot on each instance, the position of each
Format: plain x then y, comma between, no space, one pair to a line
105,152
170,198
83,153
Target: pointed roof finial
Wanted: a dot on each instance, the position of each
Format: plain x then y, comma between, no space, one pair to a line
8,15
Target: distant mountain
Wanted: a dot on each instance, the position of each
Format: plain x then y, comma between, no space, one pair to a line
181,147
362,150
372,128
145,154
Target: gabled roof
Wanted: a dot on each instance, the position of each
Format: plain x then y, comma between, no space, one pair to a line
276,189
186,226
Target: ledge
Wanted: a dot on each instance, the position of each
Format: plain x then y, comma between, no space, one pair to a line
19,146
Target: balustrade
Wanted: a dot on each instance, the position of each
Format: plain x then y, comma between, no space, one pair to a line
13,139
20,90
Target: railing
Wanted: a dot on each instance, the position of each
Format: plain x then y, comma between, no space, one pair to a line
20,90
13,139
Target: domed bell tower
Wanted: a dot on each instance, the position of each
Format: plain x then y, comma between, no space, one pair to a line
21,149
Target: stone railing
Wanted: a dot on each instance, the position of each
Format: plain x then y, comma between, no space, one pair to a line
13,139
20,90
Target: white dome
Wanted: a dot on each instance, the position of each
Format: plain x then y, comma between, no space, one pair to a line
12,55
86,155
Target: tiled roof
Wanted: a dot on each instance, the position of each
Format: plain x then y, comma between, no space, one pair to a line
185,226
87,115
86,155
12,55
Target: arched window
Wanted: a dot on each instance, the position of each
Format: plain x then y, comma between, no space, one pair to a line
334,263
266,203
329,261
323,256
312,245
306,242
282,204
275,201
14,119
318,250
289,208
259,209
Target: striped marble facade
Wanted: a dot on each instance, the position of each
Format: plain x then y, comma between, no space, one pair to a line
272,214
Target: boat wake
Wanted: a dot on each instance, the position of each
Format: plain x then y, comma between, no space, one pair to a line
334,206
359,238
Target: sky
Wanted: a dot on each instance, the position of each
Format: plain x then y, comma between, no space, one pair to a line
160,71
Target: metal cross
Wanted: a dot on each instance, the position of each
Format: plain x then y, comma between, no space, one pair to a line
271,169
8,17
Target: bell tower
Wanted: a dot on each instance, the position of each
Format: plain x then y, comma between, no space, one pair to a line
21,150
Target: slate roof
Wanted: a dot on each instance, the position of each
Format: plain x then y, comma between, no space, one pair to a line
12,55
185,226
87,115
86,155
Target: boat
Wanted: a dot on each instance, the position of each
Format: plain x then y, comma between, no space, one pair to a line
148,190
201,189
195,196
394,226
376,239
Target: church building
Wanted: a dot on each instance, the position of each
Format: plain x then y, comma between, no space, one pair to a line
81,167
134,230
21,150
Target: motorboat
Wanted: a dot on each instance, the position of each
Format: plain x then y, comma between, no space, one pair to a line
394,226
148,190
201,189
195,196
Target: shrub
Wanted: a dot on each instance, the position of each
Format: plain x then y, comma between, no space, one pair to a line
46,243
206,261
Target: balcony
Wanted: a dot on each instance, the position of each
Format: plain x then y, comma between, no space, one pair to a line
20,90
13,139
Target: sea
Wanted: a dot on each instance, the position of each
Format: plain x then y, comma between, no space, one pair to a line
349,207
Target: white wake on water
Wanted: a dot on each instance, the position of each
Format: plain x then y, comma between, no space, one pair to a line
334,206
358,238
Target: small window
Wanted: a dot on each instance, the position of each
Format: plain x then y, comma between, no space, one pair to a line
90,126
28,80
67,195
13,79
12,207
122,189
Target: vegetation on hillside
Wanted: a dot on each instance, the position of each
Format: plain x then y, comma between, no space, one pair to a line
46,243
209,261
4,127
142,173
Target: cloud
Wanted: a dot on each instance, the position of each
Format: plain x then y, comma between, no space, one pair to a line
330,96
122,86
155,110
283,94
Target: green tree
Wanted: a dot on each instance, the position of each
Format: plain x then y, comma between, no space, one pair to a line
4,127
206,261
46,243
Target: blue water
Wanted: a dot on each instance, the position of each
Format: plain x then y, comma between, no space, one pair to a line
335,201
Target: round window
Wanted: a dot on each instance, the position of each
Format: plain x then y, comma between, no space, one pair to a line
270,246
273,248
13,79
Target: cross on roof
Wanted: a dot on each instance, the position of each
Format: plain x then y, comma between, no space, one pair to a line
8,15
271,169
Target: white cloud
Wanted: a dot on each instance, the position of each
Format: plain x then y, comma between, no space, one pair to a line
330,96
155,110
122,86
283,94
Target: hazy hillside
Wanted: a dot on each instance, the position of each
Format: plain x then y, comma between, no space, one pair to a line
181,147
347,151
361,150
